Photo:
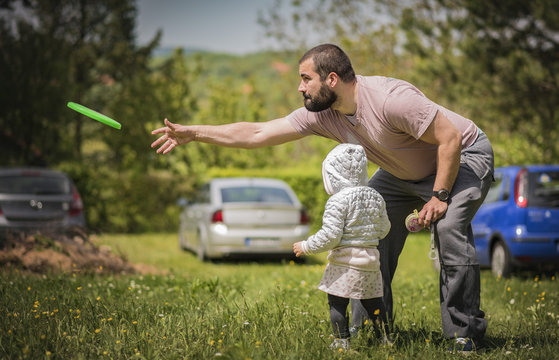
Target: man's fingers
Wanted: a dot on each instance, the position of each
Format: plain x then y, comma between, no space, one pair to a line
159,131
159,141
169,148
170,125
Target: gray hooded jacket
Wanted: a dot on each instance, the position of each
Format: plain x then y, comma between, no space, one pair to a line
355,214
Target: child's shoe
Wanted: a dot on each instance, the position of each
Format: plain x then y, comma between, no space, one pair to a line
340,344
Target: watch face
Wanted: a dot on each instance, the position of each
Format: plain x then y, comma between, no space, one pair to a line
442,195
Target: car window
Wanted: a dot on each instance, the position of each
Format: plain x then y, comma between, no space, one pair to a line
203,196
37,185
544,189
495,190
255,194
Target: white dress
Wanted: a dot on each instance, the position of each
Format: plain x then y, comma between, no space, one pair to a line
353,272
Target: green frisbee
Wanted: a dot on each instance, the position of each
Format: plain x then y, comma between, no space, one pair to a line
94,115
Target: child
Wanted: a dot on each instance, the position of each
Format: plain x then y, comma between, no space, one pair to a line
354,221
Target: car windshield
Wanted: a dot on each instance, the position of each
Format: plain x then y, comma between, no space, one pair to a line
255,194
545,189
36,185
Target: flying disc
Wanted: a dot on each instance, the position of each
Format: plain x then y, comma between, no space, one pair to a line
94,115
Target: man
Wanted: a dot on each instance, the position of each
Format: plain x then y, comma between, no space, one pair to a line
428,158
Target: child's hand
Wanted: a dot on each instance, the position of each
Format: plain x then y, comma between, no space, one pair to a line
297,249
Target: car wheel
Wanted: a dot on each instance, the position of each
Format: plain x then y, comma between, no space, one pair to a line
500,260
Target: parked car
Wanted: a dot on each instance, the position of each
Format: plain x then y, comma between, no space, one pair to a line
518,224
35,199
240,216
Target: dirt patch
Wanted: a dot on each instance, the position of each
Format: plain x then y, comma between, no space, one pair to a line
70,251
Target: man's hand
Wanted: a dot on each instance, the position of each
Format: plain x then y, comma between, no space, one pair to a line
173,135
297,249
432,211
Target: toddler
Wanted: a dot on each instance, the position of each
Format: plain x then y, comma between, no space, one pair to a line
354,221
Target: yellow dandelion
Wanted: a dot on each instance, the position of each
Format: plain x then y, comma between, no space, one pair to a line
258,343
377,311
64,333
98,298
79,288
48,353
110,319
100,267
212,343
29,288
43,336
37,316
220,341
105,353
340,350
508,289
97,331
134,322
427,340
117,342
124,331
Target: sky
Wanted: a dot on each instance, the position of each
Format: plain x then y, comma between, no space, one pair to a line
216,25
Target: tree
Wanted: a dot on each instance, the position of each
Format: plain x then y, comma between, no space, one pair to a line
56,51
509,54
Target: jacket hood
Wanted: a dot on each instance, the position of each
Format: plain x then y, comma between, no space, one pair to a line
344,166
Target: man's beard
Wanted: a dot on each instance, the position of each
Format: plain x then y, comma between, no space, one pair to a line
321,101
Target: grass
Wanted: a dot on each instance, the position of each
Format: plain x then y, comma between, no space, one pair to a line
250,310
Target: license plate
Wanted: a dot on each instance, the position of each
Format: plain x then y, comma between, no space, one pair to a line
261,241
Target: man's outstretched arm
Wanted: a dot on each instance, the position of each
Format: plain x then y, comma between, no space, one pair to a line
247,135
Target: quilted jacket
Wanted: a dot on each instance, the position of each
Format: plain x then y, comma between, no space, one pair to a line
355,214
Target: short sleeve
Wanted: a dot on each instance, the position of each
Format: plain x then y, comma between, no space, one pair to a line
300,121
409,111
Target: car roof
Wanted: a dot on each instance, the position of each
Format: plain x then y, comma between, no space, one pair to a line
531,168
237,181
35,171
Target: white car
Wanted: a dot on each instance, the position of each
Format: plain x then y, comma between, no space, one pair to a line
242,216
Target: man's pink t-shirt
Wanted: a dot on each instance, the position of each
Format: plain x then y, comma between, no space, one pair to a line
391,117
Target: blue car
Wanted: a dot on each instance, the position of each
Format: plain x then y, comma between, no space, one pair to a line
518,224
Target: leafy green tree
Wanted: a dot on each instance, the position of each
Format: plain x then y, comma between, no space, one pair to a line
54,51
506,56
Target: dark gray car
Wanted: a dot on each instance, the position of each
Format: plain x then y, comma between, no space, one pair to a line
36,199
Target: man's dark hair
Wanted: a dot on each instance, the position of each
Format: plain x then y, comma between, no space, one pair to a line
330,58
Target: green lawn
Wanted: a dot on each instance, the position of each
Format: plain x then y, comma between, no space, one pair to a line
249,310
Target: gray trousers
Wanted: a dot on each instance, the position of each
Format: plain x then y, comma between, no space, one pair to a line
459,276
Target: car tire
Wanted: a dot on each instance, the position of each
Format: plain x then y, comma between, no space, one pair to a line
500,260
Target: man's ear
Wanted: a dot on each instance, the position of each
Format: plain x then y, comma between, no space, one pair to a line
332,79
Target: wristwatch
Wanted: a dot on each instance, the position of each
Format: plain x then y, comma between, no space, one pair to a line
442,195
